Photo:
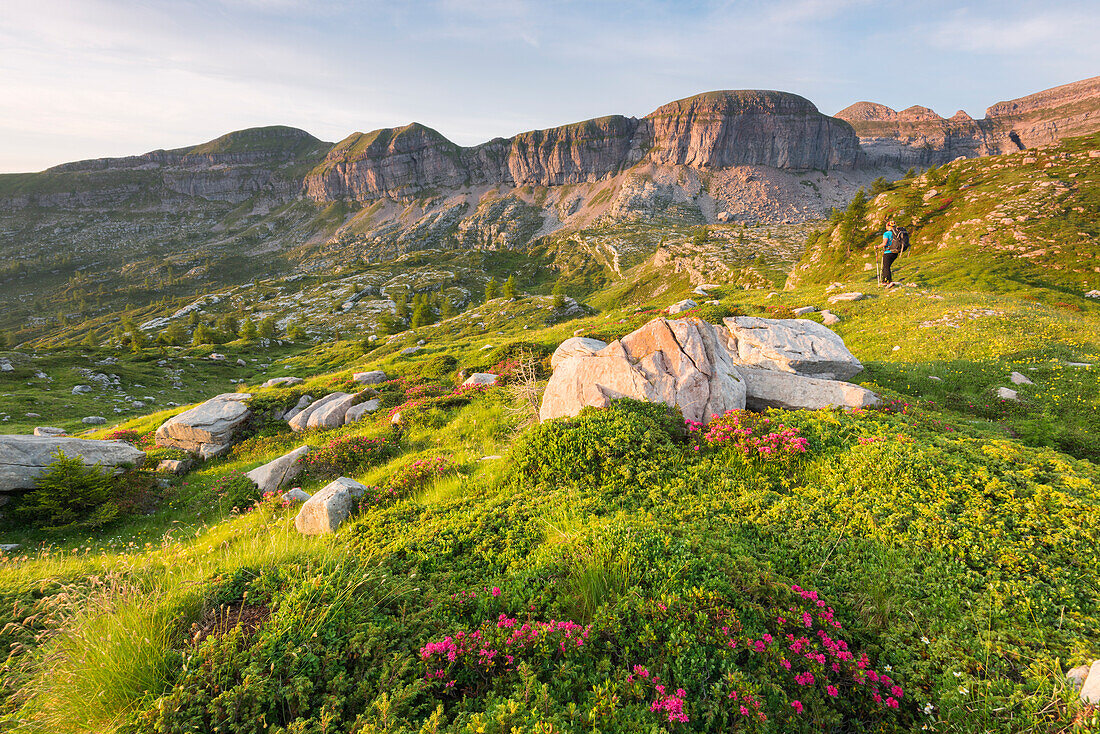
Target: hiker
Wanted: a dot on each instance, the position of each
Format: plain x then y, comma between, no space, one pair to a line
895,240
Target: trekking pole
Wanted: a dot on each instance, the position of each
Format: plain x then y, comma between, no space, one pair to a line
878,267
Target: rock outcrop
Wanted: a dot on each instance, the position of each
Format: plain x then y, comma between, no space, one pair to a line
917,136
685,362
276,474
325,511
712,130
707,370
24,458
799,346
209,428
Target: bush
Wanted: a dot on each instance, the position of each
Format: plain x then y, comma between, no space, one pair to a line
344,456
439,368
599,443
235,490
714,314
69,495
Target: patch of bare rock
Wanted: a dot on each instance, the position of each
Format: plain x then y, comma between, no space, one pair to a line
208,429
24,458
707,370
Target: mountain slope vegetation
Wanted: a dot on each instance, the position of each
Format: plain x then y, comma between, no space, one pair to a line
619,571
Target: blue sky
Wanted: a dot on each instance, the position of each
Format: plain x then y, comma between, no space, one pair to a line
91,78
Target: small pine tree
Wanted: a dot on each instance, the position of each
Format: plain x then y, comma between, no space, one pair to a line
227,325
248,330
91,341
879,185
69,493
268,328
193,319
203,335
491,289
387,324
447,310
510,287
402,309
175,335
295,332
422,316
559,296
138,341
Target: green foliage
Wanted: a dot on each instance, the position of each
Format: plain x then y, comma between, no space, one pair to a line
492,289
879,185
700,235
248,330
69,494
628,438
234,490
509,290
351,455
439,368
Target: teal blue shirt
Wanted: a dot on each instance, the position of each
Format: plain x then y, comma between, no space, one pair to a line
888,244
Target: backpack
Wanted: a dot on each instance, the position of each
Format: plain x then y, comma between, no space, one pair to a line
900,242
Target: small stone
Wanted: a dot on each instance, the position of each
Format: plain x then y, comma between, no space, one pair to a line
1090,689
81,389
372,377
1005,393
295,496
9,547
1076,677
852,296
281,381
93,420
896,348
829,318
578,332
174,466
685,305
481,378
803,310
935,379
242,363
409,351
49,431
1018,379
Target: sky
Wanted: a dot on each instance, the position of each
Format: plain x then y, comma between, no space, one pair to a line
94,78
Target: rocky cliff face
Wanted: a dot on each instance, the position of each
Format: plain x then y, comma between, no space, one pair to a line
917,136
714,130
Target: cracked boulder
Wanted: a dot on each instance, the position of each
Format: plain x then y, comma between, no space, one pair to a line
799,346
209,429
683,362
24,458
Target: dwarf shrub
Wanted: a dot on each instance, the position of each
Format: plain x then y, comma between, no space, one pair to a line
69,494
598,443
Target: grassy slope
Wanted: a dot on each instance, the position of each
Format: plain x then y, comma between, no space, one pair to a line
955,546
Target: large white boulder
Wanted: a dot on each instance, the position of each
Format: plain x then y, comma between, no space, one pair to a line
331,414
209,428
300,421
24,458
574,346
685,362
774,389
800,346
1090,689
274,474
327,510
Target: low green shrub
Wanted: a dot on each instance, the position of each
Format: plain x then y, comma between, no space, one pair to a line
70,495
439,368
235,490
345,456
599,443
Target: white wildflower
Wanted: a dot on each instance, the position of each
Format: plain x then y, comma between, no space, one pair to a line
928,709
925,640
964,690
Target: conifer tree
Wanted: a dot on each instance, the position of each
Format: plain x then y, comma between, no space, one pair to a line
268,328
491,289
510,287
248,330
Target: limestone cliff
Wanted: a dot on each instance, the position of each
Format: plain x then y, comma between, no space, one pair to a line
917,136
708,131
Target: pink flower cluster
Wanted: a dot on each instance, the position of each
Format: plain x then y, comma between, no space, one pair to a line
751,434
496,644
750,705
666,705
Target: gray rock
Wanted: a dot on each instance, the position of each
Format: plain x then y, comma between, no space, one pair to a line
93,420
284,381
803,310
275,474
409,351
24,458
481,378
1018,379
325,511
773,389
935,379
1090,690
81,389
829,318
295,496
214,423
684,362
300,421
9,547
573,346
800,346
242,363
217,357
842,297
356,412
373,377
1076,677
1006,393
331,414
685,305
209,451
50,431
5,365
174,466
